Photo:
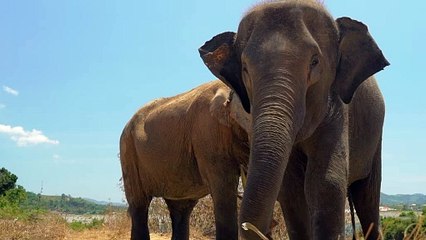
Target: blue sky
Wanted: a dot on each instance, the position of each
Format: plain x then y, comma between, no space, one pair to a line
73,72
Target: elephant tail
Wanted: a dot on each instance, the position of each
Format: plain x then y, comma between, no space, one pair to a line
351,207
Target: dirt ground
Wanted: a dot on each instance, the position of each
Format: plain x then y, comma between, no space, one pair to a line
103,235
110,235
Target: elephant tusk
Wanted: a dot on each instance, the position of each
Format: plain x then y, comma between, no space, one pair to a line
248,226
243,177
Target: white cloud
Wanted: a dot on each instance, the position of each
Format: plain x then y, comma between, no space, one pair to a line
25,138
10,90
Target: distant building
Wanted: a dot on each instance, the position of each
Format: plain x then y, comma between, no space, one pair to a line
386,209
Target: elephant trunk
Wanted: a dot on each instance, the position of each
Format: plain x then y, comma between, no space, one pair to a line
277,116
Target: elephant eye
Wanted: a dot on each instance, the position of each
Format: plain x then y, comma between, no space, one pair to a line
314,61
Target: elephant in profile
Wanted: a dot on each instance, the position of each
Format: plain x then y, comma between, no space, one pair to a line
182,148
317,116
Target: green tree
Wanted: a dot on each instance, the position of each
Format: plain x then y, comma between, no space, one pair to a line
14,197
7,180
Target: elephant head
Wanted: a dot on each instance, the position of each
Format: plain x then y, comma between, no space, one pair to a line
291,64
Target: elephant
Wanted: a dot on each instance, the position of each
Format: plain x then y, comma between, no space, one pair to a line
182,148
317,116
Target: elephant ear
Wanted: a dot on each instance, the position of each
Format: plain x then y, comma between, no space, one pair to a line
219,56
219,106
237,113
360,57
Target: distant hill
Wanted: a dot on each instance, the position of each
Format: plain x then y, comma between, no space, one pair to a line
77,205
114,204
402,199
67,204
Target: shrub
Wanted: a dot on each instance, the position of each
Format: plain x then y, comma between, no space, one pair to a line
80,226
407,226
409,214
10,204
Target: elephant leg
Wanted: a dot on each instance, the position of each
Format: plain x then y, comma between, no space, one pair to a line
221,173
139,215
326,184
292,198
326,200
224,194
366,197
180,212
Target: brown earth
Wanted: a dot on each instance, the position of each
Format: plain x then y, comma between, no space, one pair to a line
105,234
109,235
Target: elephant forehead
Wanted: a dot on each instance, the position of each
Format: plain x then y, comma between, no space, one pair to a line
283,14
280,27
264,6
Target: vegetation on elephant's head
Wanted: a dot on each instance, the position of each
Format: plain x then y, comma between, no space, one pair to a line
7,180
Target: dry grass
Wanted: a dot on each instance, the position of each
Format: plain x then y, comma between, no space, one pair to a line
116,225
202,224
52,226
45,227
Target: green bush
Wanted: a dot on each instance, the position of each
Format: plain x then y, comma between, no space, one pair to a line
11,195
10,202
408,214
394,228
80,226
12,205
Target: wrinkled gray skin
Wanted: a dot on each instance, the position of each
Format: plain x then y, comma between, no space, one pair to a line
317,116
182,148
